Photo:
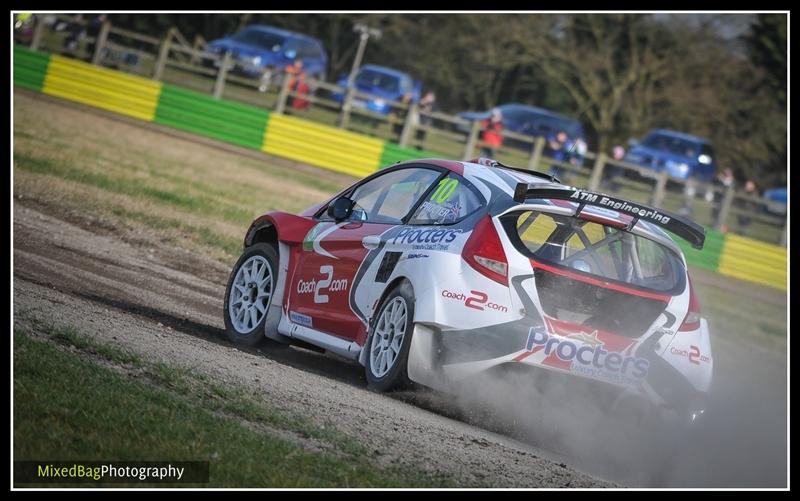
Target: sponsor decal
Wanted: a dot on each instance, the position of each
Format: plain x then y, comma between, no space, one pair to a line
586,355
326,284
427,238
300,319
693,354
440,212
415,256
477,300
621,205
311,242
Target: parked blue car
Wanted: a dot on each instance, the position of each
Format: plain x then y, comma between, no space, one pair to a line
528,120
681,155
777,200
259,48
385,84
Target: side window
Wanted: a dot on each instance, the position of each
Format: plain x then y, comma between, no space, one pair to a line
450,201
388,198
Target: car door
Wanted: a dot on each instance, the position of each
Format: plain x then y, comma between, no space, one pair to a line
333,251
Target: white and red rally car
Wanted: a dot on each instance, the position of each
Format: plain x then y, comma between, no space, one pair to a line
434,271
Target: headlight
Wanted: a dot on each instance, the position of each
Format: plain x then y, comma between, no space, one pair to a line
256,60
380,103
683,168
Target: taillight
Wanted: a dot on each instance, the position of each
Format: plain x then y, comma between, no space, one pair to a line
484,252
692,320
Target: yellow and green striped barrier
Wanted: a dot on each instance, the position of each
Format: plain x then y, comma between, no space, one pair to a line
309,142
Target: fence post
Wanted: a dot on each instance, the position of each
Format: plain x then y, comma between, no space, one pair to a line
469,149
198,40
783,233
536,154
408,126
163,54
597,171
283,95
219,85
38,30
100,43
661,186
724,210
344,119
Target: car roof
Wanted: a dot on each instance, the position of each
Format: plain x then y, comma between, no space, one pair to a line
539,111
386,70
281,32
680,135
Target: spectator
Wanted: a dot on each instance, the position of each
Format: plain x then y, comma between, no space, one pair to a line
723,181
93,31
611,171
577,152
426,105
300,101
492,133
559,151
293,71
748,206
76,30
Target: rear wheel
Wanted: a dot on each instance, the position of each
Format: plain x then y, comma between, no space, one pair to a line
390,341
249,294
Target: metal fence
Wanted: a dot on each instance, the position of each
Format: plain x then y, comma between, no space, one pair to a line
173,59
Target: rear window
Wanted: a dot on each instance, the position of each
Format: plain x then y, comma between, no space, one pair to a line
597,250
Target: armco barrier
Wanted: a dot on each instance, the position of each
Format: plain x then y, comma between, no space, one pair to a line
310,142
108,89
753,261
322,145
199,113
30,67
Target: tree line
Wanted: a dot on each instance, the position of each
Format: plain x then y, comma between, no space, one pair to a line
620,74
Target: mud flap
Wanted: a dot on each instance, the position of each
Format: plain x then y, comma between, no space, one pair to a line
422,367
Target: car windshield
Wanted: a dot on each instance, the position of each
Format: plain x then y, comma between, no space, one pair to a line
599,250
671,144
260,38
371,78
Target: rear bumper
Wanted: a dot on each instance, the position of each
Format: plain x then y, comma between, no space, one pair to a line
442,359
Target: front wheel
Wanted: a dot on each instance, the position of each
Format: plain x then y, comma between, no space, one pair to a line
390,340
249,294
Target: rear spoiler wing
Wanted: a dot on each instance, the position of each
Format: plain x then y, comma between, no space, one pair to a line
680,226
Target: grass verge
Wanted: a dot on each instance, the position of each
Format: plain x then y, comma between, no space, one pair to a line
79,400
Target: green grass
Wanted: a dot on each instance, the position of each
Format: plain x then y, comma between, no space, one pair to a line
78,399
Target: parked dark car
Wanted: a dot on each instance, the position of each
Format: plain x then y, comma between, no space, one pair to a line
260,48
384,84
681,155
528,120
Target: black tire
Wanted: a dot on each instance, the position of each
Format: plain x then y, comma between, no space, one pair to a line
396,377
256,335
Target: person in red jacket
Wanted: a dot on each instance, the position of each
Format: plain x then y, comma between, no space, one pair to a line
492,133
301,90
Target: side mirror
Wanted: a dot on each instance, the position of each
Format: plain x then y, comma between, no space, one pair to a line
341,208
